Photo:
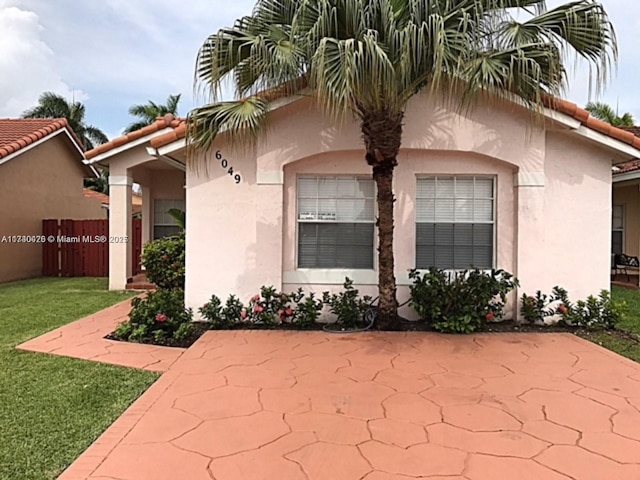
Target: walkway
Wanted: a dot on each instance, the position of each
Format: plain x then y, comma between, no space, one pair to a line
84,339
249,405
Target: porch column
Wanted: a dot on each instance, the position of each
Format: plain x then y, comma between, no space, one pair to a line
119,226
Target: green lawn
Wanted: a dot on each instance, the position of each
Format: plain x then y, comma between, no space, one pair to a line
628,347
52,408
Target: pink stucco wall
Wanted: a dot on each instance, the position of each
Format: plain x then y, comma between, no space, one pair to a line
552,205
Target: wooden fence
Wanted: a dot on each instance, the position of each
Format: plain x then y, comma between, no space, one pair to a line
80,248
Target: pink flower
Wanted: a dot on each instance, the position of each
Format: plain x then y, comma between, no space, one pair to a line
562,308
243,314
255,298
280,313
490,316
161,317
258,309
288,312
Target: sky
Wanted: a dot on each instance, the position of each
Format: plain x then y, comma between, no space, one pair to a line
111,54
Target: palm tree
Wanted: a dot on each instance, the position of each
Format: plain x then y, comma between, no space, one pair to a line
366,59
149,111
604,112
52,105
99,183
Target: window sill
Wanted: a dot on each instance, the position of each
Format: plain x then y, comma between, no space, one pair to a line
330,276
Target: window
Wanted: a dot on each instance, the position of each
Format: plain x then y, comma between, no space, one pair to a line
454,222
335,222
617,229
164,224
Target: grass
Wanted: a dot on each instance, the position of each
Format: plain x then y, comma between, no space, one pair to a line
618,340
52,408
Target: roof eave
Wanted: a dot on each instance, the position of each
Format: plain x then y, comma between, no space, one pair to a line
87,169
127,146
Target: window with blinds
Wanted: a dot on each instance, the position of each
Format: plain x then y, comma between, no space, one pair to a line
336,218
617,229
455,222
164,224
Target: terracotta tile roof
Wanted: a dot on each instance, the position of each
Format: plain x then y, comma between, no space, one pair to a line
88,193
626,135
168,121
136,199
629,166
17,133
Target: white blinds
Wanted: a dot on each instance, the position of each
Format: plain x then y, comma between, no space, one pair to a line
454,200
160,209
618,222
336,199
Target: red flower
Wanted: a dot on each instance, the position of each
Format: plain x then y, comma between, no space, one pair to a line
490,316
161,317
255,298
562,308
258,309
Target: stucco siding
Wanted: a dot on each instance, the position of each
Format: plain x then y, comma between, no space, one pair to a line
43,182
577,214
552,200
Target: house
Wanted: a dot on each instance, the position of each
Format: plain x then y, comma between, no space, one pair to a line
491,187
136,201
625,214
41,177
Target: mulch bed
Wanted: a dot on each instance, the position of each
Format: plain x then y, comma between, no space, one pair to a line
507,326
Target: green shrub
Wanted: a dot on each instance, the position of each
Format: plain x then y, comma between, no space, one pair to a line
347,305
163,260
594,313
462,301
536,309
269,307
159,316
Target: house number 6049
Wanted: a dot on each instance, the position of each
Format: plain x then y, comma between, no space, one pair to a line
225,164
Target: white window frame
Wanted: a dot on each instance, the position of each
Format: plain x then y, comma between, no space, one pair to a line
330,276
494,178
621,230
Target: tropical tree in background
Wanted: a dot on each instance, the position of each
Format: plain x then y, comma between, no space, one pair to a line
365,59
99,183
150,111
606,113
52,105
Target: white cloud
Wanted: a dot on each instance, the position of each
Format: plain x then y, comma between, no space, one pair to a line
27,63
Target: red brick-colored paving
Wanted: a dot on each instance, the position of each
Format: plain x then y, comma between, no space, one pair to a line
247,405
84,339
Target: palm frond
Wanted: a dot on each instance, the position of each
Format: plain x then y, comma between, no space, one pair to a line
243,122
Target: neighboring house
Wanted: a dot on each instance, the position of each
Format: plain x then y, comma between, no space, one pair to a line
41,177
625,224
492,188
136,201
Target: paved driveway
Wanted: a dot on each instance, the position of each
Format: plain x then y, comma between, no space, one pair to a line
251,405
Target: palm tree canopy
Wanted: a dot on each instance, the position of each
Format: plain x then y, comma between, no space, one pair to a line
369,57
605,112
52,105
150,111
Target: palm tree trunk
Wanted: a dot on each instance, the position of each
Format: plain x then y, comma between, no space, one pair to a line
382,134
388,305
